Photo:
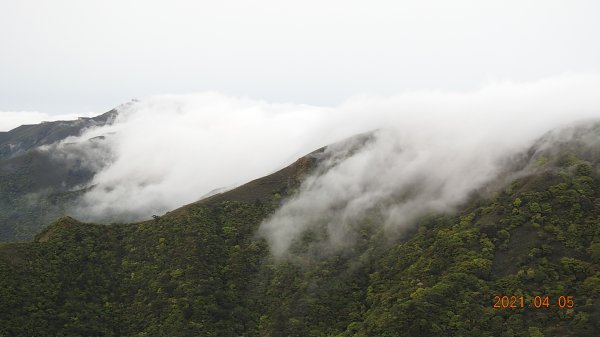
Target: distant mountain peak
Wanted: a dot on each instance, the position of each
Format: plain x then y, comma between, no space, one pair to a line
26,137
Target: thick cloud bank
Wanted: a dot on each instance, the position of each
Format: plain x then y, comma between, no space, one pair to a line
166,151
431,149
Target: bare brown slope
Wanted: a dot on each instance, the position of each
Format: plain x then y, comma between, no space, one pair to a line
262,189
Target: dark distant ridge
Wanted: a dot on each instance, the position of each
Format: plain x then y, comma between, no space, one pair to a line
36,187
27,137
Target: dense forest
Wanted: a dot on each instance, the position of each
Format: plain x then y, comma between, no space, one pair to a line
201,270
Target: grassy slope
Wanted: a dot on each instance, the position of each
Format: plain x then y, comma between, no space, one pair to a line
200,270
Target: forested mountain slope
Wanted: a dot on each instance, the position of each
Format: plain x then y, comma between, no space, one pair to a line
202,270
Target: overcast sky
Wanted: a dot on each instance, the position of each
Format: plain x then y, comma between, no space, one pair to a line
77,57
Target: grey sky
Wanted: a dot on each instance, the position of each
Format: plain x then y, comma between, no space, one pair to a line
73,56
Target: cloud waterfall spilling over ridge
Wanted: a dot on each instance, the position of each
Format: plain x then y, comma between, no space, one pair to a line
435,149
171,150
166,151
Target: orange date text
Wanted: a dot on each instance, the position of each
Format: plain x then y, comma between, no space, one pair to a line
536,302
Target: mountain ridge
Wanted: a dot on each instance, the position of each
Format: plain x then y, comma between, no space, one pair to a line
26,137
202,269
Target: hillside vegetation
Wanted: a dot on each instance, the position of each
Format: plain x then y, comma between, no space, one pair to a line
202,271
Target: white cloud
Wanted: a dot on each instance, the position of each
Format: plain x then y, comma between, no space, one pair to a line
432,150
171,150
167,151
